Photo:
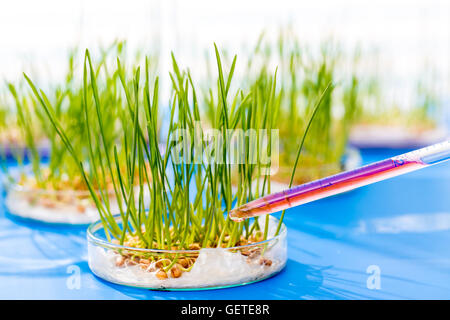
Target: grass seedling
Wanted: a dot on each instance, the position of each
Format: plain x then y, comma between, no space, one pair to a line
190,193
60,182
303,77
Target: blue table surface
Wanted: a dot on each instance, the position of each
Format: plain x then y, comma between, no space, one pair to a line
399,228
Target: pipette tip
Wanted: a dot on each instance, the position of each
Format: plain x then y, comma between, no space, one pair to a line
235,215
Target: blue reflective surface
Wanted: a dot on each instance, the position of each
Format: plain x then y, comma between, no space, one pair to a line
399,227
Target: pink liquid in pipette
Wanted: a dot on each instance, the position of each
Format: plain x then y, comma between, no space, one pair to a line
325,187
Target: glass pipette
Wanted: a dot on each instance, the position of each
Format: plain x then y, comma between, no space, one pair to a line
344,181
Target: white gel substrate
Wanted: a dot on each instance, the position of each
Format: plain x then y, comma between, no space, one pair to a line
19,205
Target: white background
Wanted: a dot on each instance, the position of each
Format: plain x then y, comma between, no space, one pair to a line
412,37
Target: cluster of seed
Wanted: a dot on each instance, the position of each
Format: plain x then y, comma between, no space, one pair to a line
255,254
166,265
58,193
52,202
46,198
51,198
158,265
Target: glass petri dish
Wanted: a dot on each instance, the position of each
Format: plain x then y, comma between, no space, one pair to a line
69,206
50,206
208,268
